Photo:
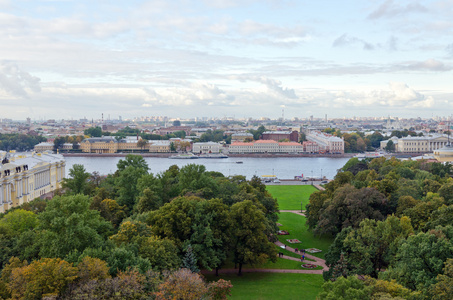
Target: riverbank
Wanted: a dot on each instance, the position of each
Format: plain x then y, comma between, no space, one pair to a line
166,155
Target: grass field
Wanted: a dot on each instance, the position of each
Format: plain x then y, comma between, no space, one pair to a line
289,197
263,286
295,224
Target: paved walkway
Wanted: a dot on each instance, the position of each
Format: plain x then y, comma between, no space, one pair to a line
317,261
295,212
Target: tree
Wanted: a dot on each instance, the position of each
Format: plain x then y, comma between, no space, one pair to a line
176,123
350,288
68,224
375,243
161,253
189,261
77,181
126,183
58,143
93,131
390,147
421,258
182,284
443,289
131,160
92,269
172,147
348,207
250,243
142,143
43,278
18,221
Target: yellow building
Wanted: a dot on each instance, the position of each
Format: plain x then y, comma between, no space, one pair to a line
110,144
24,177
444,154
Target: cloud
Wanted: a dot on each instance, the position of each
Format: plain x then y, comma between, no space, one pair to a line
346,40
390,9
428,65
17,82
270,83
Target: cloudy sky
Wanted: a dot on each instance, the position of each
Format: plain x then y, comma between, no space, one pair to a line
216,58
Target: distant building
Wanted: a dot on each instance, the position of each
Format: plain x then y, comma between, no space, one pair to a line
266,146
208,147
310,147
241,136
326,142
26,177
416,144
292,136
173,129
44,146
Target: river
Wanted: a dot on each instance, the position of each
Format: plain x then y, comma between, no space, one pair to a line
282,167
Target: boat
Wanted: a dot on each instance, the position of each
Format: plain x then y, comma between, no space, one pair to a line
184,156
239,162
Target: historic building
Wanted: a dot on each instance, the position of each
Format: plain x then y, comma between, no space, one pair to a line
417,144
24,177
208,147
291,136
326,142
266,146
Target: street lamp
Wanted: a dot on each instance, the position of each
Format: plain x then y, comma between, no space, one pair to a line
311,177
321,174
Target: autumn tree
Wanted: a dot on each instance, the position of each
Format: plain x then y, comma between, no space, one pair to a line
42,278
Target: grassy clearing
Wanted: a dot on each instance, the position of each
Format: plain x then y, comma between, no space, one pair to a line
274,286
295,224
289,197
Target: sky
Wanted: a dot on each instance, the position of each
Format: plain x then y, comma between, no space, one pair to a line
225,58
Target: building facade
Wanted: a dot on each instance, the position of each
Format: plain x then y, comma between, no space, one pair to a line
292,136
208,147
266,146
416,144
327,143
26,177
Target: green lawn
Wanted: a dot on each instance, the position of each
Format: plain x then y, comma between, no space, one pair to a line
295,224
289,197
273,285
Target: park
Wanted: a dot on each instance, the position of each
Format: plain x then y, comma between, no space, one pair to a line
286,278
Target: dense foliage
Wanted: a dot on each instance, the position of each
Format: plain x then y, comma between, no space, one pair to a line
131,235
393,221
19,142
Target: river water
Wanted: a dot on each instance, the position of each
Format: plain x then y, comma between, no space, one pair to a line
282,167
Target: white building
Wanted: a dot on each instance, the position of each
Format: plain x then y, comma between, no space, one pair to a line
326,142
24,177
208,147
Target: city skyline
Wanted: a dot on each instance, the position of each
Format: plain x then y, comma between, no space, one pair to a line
67,59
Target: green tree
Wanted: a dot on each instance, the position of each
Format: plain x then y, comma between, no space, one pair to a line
68,224
18,221
350,288
421,258
390,147
142,143
93,131
77,181
131,160
374,243
190,261
443,289
250,243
